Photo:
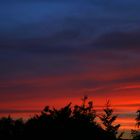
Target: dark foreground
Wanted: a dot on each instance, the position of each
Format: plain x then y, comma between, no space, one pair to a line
78,122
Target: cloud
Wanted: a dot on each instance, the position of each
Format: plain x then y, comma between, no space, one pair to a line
119,40
129,87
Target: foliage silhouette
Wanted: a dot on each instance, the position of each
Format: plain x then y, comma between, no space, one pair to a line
136,133
78,122
108,119
138,118
10,128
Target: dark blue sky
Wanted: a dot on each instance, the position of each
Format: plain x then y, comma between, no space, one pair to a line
30,28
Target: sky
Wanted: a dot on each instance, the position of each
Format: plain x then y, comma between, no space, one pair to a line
53,52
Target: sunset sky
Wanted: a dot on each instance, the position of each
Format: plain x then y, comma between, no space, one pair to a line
56,51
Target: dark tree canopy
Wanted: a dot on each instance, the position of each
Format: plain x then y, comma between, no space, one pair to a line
69,122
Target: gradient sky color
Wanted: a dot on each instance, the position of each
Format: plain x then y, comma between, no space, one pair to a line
53,52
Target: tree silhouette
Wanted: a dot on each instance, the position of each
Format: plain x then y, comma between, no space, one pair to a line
84,112
136,133
108,119
78,122
138,118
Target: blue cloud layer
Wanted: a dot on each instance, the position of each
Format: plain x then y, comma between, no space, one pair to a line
43,38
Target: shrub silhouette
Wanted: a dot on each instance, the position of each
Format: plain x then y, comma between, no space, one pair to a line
69,122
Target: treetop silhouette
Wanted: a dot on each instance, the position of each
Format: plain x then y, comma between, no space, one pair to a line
76,122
